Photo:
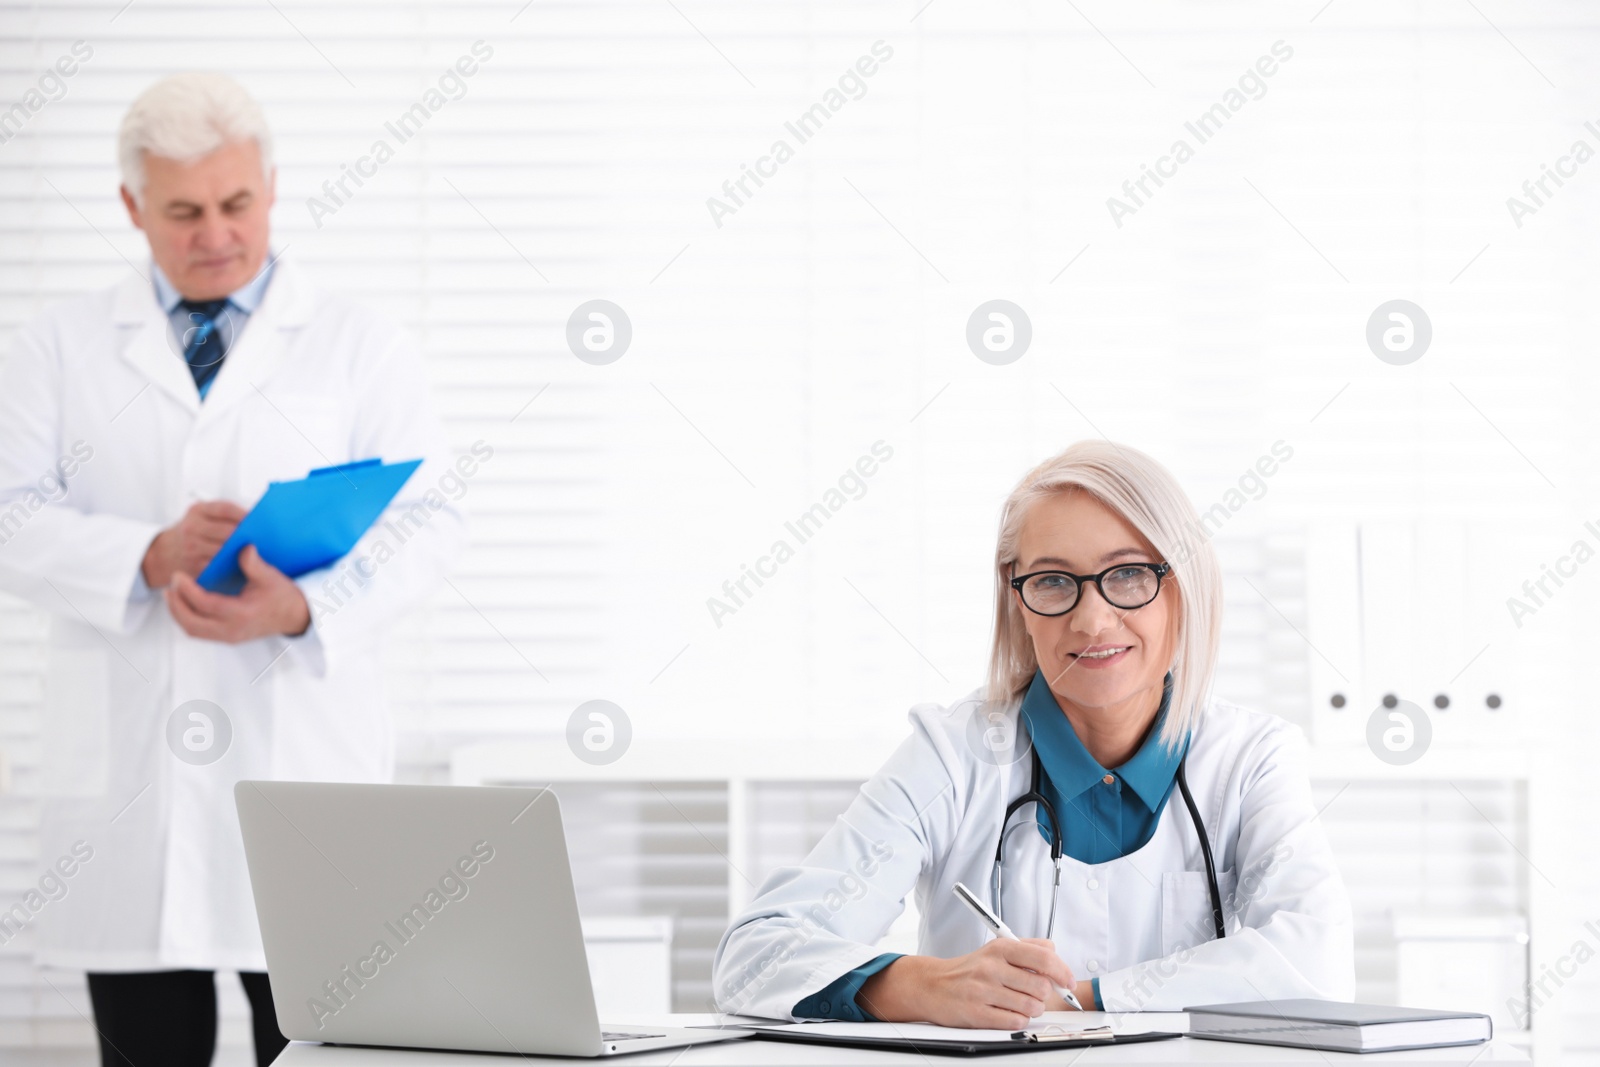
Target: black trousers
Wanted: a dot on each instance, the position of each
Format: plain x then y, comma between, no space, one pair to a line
169,1018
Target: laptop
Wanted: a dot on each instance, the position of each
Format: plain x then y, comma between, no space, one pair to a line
432,917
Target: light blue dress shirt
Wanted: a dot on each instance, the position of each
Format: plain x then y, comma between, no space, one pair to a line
242,303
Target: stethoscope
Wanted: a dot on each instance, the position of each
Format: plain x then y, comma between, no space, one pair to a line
1033,796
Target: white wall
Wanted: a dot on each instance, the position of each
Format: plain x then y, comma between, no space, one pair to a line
828,312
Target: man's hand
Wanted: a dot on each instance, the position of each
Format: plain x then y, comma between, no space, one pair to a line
187,547
999,987
270,603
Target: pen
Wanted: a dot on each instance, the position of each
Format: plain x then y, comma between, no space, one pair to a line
1000,929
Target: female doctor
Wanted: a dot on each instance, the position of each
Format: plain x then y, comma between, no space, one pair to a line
1152,846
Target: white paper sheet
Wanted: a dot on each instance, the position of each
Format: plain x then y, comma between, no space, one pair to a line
1120,1023
908,1031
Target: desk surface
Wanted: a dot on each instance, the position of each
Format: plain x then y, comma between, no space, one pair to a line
749,1051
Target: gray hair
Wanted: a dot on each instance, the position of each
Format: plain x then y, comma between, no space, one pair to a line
1150,499
185,117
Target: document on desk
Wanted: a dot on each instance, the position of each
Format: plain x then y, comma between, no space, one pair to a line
1122,1022
1055,1029
931,1032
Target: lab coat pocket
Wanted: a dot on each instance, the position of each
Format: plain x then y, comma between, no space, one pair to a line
76,732
1186,908
286,436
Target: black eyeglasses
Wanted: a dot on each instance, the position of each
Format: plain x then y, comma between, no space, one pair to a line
1127,586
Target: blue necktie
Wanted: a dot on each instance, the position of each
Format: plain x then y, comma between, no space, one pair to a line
205,344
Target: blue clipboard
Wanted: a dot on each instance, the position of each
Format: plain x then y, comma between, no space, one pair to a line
302,525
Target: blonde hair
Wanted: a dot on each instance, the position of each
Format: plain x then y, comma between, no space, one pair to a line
186,117
1148,497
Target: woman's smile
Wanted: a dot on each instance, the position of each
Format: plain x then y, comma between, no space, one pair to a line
1099,657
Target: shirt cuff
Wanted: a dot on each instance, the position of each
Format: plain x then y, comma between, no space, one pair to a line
141,590
141,599
837,1000
1099,1005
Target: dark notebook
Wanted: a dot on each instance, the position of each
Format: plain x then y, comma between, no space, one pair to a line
1337,1026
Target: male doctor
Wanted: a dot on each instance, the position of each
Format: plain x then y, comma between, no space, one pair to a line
137,426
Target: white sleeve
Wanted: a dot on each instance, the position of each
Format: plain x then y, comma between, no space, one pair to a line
1294,936
404,557
85,566
812,923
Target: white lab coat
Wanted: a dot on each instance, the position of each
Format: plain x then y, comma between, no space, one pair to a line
1141,924
311,381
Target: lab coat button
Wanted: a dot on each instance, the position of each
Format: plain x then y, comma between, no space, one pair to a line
1094,966
1093,883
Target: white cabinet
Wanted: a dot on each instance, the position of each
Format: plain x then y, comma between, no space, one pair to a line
1470,962
630,965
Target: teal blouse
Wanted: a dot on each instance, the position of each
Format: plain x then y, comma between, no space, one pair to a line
1101,820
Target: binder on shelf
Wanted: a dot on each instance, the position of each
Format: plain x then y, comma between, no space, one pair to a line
1333,618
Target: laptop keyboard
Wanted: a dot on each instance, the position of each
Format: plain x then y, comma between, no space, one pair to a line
620,1035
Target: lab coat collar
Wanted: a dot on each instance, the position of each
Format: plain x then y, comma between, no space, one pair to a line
286,305
148,346
1071,769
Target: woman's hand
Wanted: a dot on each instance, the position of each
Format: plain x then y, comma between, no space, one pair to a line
999,987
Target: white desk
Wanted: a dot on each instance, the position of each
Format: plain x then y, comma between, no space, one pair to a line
1181,1050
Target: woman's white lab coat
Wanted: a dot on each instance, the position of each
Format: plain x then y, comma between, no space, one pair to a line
1141,924
95,388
